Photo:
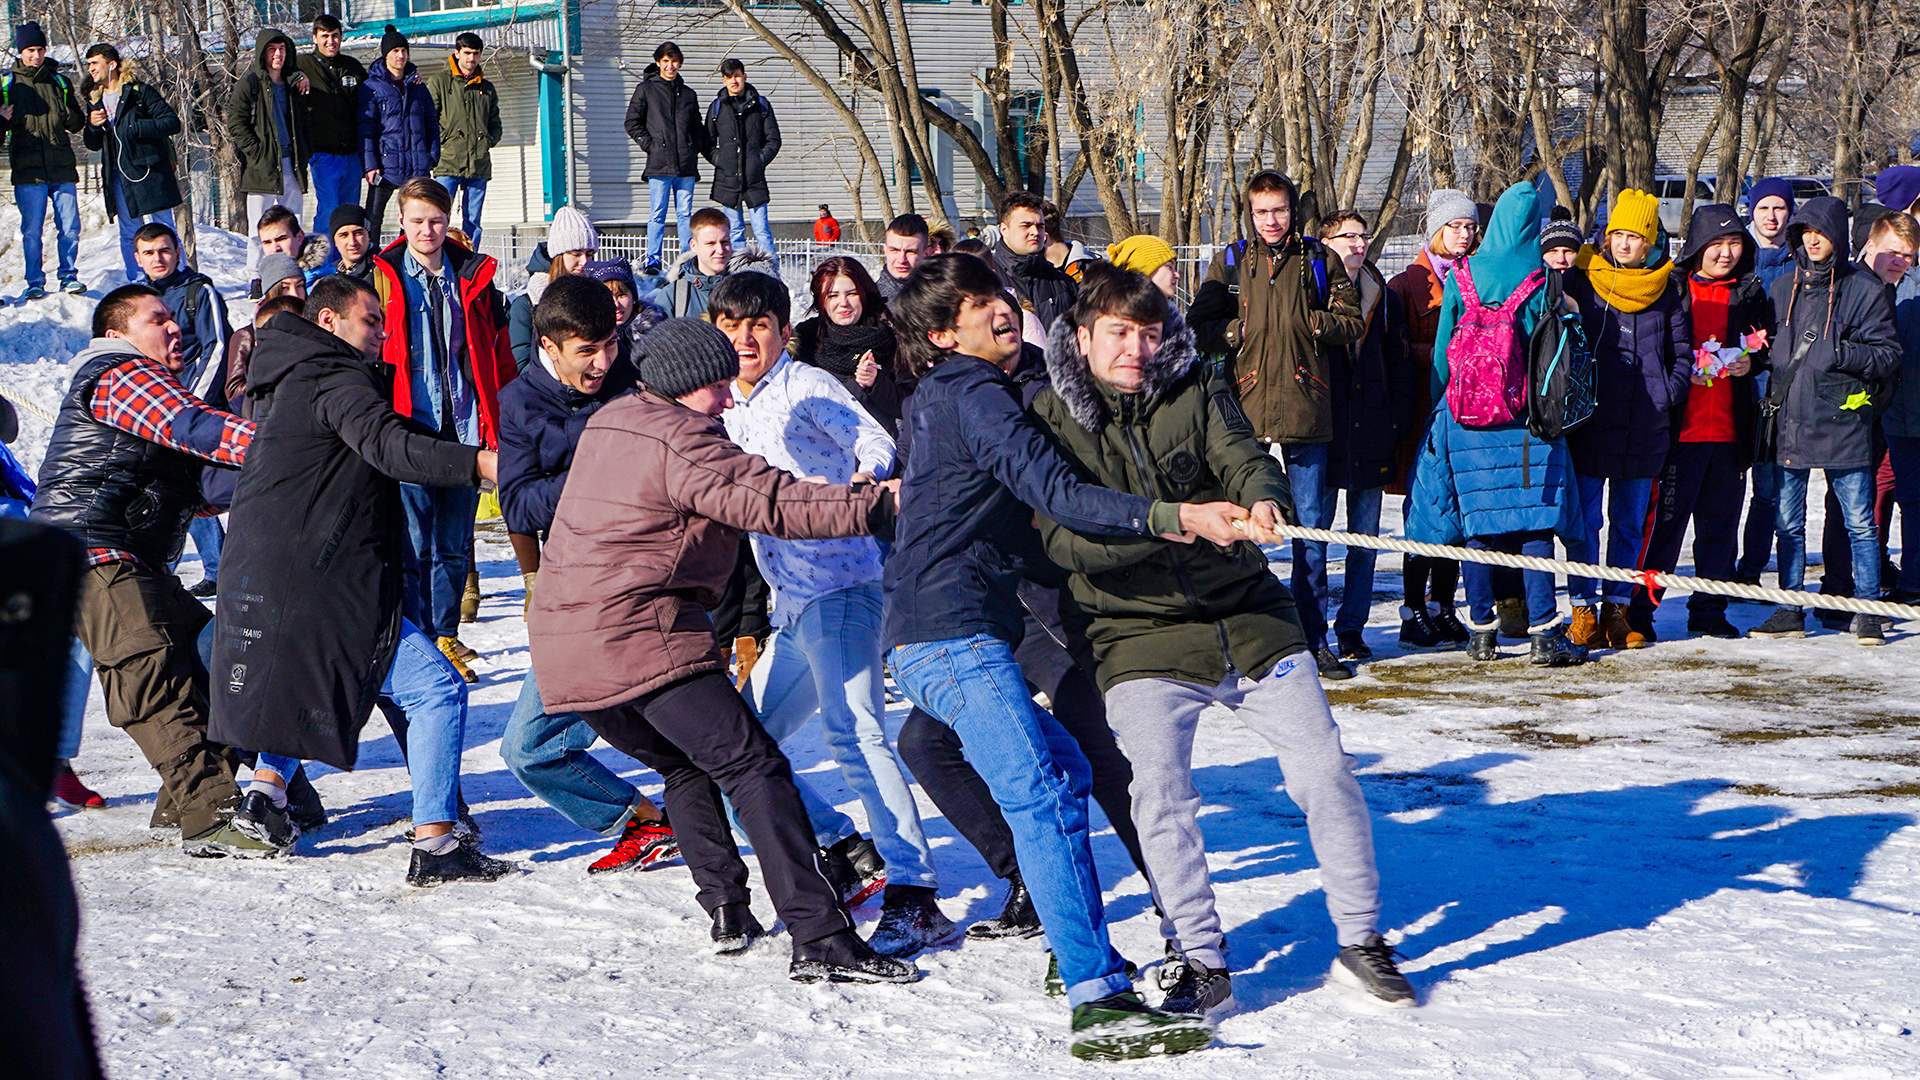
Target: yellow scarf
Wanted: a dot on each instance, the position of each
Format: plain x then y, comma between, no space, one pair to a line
1626,290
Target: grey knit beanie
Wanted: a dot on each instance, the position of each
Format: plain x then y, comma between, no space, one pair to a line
680,356
1447,204
276,268
570,230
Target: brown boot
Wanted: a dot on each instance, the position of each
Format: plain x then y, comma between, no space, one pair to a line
1583,629
470,599
527,604
450,648
747,650
1618,633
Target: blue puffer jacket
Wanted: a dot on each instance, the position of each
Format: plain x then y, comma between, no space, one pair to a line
1643,361
541,419
1470,482
399,127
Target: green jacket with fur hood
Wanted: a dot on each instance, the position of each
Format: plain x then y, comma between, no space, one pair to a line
251,126
1150,608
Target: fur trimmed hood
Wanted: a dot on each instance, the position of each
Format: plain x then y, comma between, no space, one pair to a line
1073,380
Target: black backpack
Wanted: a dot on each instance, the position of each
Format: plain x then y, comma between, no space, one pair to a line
1560,378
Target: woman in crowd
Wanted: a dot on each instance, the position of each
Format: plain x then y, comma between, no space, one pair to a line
849,338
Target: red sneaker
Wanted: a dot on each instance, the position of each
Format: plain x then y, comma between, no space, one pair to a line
69,791
643,845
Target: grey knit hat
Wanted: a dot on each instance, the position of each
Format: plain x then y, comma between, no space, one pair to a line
1447,204
276,268
680,356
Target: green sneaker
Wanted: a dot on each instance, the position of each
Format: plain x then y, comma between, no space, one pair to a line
1121,1026
224,841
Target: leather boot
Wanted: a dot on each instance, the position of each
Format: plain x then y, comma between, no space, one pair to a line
746,651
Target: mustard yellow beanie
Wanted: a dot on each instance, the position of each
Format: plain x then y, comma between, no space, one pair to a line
1144,253
1636,212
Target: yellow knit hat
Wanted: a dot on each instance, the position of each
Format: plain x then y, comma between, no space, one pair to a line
1636,212
1145,253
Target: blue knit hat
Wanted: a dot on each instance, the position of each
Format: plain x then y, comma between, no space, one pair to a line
1898,186
1772,185
28,35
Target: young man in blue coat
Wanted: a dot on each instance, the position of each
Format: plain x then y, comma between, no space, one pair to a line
979,466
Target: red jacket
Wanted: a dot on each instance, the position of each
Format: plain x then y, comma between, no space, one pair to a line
825,229
489,359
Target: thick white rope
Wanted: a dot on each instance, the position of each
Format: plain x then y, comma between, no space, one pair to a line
23,402
1608,573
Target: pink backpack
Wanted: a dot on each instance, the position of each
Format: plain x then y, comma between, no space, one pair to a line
1487,355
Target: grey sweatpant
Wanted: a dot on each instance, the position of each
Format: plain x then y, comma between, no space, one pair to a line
1155,720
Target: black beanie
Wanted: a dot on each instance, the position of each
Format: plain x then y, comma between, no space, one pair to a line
28,35
391,40
680,356
345,215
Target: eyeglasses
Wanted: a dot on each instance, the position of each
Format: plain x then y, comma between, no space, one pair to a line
1360,236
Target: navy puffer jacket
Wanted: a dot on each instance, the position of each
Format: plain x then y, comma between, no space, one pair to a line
541,419
1644,363
399,127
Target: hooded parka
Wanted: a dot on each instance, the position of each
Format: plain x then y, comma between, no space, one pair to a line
1837,351
45,113
310,575
663,118
469,111
254,130
1152,608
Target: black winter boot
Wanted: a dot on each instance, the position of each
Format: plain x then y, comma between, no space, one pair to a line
1552,649
843,957
734,929
1484,645
1016,919
910,920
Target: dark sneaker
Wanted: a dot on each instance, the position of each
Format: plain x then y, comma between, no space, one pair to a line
1122,1027
462,863
1484,645
303,803
1369,968
204,589
265,822
1783,623
734,929
34,292
1330,665
910,920
253,289
226,841
1417,632
1512,613
1903,596
1831,619
643,845
1552,649
1016,919
843,957
1353,646
1199,991
1713,624
1053,986
855,869
1449,625
1869,630
73,288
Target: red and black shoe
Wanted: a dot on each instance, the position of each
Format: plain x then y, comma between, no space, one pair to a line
69,791
643,845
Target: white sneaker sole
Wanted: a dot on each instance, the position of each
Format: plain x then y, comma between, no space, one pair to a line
1343,979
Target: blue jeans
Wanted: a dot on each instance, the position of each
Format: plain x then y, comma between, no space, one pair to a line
1626,517
658,188
470,210
335,179
737,218
424,686
548,754
1313,502
1854,489
130,225
209,536
439,530
1542,610
827,659
33,199
73,711
1039,778
1905,454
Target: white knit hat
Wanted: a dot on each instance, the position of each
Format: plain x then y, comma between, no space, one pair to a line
1443,205
571,231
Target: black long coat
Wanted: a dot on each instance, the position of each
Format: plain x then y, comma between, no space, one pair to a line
310,580
742,139
136,147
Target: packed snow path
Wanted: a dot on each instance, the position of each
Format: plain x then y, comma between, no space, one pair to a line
1698,861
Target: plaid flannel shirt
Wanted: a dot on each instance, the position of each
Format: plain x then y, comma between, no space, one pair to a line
143,398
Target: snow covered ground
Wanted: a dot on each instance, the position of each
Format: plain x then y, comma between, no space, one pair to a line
1699,861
